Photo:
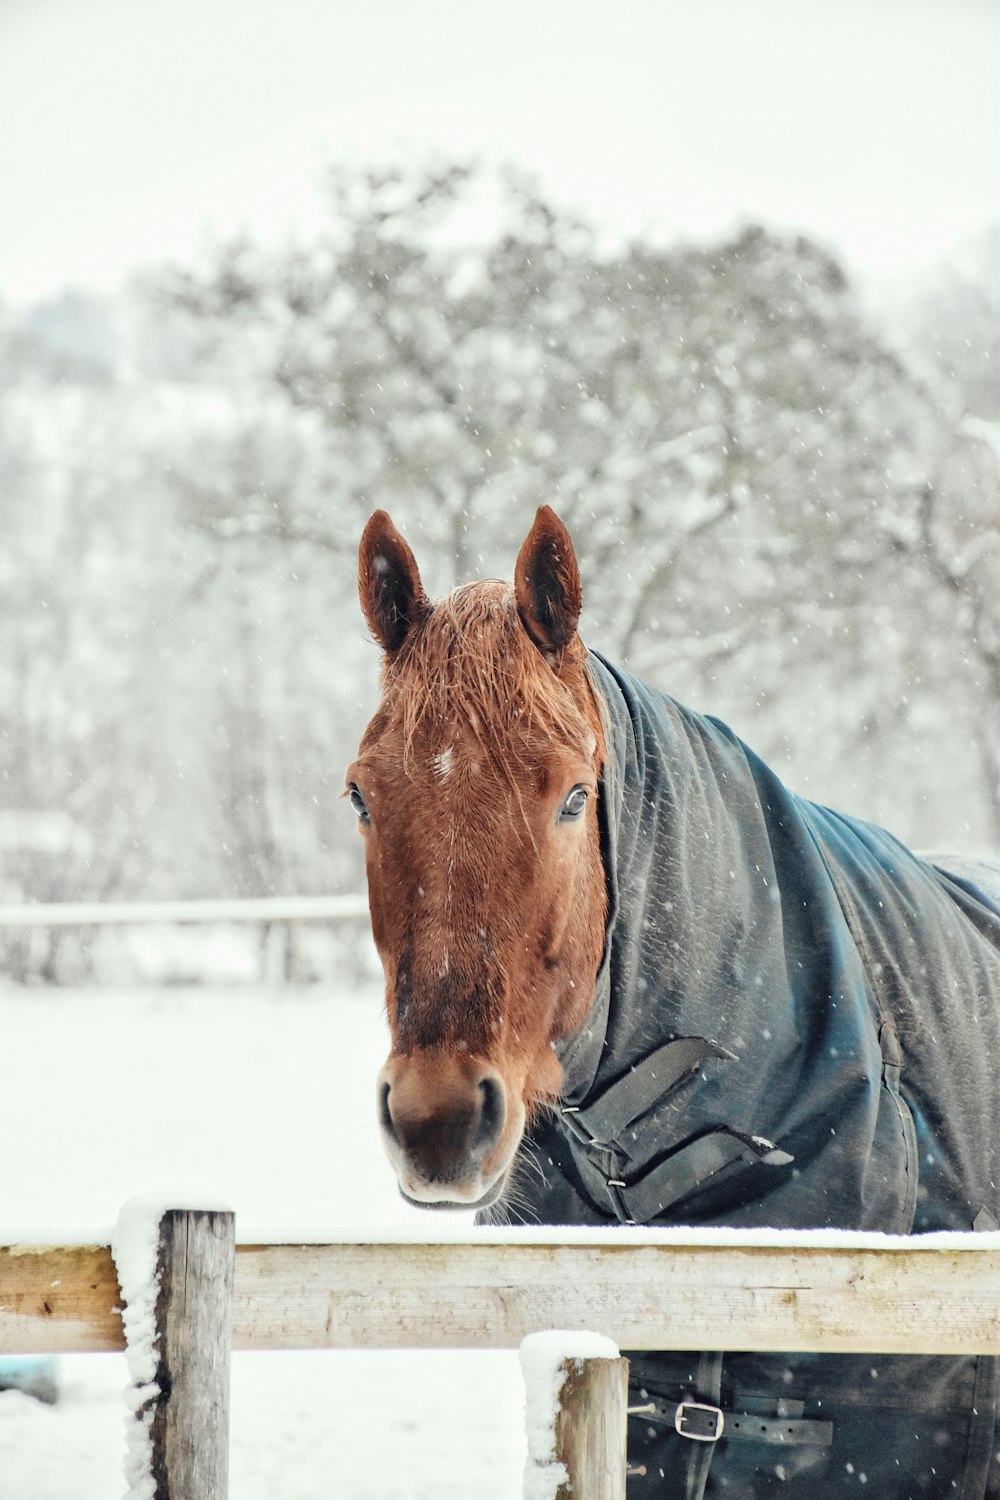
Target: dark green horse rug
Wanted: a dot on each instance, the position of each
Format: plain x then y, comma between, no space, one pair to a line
797,1025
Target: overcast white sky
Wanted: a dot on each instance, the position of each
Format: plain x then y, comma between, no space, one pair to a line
131,128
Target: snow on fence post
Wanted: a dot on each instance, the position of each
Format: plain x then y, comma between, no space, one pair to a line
175,1267
576,1401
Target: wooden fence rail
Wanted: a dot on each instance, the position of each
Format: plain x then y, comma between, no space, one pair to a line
724,1290
644,1292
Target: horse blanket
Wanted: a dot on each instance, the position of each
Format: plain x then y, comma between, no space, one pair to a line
796,1024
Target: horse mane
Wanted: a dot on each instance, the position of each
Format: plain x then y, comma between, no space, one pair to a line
472,662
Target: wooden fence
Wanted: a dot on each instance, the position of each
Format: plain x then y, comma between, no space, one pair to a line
749,1291
276,917
262,909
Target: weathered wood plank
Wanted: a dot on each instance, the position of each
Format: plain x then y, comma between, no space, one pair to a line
483,1295
590,1429
186,1416
642,1297
59,1300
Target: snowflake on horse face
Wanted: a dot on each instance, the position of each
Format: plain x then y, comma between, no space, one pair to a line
631,978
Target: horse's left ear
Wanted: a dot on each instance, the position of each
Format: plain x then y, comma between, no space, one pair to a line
392,595
547,584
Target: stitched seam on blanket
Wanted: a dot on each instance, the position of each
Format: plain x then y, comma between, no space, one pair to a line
891,1063
856,929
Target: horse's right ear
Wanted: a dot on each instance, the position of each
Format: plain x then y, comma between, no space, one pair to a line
547,584
392,595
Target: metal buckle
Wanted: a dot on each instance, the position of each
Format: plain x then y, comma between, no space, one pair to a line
576,1125
700,1429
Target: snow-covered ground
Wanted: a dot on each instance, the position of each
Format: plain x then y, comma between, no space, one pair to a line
264,1099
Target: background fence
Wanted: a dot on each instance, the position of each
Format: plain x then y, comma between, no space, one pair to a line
55,941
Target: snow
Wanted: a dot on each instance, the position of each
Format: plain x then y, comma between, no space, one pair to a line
583,1235
135,1244
407,1426
265,1097
541,1357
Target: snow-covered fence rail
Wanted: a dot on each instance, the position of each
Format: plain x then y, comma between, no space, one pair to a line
119,913
746,1290
750,1290
277,918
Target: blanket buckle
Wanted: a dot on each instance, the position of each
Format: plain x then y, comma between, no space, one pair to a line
699,1422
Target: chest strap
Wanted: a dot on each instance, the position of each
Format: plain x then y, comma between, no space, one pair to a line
604,1120
640,1196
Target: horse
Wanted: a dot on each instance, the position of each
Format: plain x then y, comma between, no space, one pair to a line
632,978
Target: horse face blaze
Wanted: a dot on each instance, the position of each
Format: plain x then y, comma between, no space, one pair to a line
476,793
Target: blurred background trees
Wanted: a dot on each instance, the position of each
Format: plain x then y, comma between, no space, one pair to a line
785,507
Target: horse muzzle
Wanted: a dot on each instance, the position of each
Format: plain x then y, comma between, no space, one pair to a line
447,1128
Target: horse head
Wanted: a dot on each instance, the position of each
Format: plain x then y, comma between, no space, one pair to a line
475,789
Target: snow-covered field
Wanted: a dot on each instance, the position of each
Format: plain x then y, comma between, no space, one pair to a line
263,1099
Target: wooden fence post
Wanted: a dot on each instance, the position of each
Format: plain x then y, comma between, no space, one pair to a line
182,1438
579,1452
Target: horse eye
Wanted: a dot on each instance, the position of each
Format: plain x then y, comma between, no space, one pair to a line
573,807
359,804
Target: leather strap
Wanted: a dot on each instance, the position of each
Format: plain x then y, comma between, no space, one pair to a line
709,1383
740,1426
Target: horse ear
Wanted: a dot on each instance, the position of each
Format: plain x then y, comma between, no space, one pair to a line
547,584
392,596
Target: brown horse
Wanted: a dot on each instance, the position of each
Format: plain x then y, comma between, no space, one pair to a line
748,1009
475,788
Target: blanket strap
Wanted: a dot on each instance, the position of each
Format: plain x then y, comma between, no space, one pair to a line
708,1422
700,1459
687,1170
603,1121
600,1126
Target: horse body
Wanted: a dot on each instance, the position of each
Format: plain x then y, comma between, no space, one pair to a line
690,998
852,991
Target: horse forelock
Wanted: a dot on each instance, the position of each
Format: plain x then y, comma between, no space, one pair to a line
471,667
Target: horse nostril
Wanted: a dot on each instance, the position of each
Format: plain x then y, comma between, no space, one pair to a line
492,1113
384,1112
